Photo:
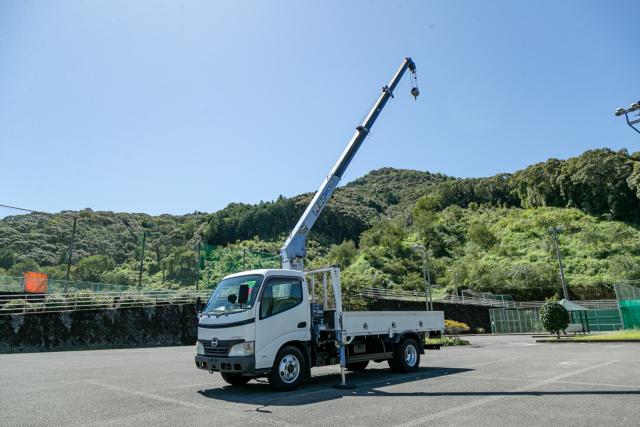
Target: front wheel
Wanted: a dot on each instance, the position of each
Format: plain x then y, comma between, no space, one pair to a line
406,357
234,379
288,369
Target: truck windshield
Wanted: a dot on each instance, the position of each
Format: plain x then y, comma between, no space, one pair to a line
219,301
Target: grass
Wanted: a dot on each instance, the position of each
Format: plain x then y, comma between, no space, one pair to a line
447,341
631,334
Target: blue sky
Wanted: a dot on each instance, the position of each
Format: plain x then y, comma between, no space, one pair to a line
172,107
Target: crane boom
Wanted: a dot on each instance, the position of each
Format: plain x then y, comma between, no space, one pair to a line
293,250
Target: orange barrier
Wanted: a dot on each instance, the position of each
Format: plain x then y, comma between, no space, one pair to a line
35,283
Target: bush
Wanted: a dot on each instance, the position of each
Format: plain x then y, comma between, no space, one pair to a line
553,316
89,300
452,327
56,302
131,299
22,305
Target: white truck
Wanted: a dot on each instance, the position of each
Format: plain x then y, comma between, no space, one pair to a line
273,323
276,323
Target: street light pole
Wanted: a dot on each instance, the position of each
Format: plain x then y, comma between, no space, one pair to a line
633,107
144,236
554,235
73,239
426,275
198,266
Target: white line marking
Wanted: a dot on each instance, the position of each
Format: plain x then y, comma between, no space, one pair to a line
479,402
152,396
462,376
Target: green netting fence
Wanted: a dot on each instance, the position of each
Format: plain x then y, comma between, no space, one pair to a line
629,303
218,261
511,321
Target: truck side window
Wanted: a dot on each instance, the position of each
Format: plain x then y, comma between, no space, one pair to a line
280,294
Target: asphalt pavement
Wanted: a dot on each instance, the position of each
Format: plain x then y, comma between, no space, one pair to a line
499,380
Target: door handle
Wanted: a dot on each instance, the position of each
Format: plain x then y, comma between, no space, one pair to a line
302,325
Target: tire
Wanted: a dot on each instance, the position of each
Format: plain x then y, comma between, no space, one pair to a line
234,379
288,370
358,366
406,357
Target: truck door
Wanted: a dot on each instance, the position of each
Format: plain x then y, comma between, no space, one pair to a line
282,316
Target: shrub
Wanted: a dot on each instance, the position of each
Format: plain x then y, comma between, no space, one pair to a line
22,305
452,327
56,302
132,299
553,316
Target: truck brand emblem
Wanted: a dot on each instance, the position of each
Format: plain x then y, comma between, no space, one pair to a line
214,342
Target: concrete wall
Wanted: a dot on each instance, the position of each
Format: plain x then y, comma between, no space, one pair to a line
125,327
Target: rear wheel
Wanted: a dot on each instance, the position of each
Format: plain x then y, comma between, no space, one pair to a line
406,357
234,379
358,366
288,369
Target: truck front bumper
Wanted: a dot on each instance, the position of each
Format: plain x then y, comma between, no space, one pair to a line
236,365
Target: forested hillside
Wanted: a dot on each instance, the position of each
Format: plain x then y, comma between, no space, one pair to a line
487,234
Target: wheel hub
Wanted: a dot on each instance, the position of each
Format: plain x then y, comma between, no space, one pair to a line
289,368
410,355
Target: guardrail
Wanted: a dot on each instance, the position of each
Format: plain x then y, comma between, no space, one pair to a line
59,302
394,294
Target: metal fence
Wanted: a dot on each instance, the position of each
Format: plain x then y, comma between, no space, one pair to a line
527,320
629,305
87,300
16,284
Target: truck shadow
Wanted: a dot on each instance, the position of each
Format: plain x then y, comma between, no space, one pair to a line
319,388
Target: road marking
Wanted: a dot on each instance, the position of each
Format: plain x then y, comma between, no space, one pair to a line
463,376
480,402
263,419
147,395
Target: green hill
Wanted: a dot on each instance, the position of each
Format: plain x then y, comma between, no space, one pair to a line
487,234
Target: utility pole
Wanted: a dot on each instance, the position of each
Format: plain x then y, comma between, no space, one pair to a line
197,265
426,275
554,231
144,237
73,238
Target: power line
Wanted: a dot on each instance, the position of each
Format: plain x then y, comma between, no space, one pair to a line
24,209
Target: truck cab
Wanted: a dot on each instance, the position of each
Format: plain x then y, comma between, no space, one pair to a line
271,323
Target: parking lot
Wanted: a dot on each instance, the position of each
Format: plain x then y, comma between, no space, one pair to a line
500,380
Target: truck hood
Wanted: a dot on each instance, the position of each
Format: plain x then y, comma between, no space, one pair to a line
227,326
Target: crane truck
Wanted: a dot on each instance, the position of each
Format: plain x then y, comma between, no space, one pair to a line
278,323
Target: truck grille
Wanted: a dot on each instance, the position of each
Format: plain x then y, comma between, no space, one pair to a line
221,350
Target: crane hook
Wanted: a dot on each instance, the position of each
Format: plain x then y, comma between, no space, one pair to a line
415,92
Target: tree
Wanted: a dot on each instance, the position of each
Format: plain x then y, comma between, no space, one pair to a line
7,258
91,268
481,235
342,254
554,317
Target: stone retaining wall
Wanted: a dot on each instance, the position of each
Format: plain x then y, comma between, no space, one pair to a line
112,328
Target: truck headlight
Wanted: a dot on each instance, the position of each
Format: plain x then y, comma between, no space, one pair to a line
199,349
242,349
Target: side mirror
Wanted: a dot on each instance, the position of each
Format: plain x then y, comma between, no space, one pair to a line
243,294
232,298
199,305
